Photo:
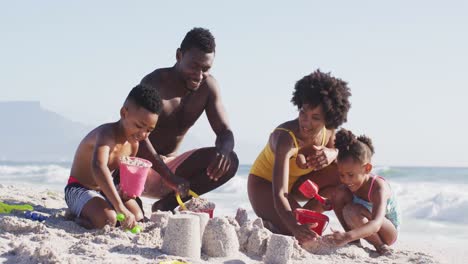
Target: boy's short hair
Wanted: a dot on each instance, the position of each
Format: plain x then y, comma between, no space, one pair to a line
146,97
199,38
320,88
359,148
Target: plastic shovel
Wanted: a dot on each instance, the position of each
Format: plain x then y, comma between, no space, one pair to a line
7,208
135,230
310,190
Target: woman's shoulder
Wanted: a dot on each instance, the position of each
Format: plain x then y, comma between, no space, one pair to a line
281,136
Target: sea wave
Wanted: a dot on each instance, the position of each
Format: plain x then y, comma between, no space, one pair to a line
419,197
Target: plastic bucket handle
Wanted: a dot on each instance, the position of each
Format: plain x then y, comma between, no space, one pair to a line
181,204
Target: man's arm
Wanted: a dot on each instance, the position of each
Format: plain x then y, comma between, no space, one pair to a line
178,184
217,117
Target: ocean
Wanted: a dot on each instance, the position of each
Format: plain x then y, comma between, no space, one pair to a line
433,200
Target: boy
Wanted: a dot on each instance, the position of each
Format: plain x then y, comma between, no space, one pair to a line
90,193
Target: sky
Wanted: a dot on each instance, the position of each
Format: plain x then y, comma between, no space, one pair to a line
405,62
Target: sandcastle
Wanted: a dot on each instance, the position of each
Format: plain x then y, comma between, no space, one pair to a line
220,238
188,234
199,204
253,237
182,236
280,249
160,220
203,217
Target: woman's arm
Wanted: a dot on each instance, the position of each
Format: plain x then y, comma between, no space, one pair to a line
283,147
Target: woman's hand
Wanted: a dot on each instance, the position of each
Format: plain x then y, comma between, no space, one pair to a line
322,157
301,161
304,232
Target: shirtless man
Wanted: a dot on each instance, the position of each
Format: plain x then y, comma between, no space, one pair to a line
187,90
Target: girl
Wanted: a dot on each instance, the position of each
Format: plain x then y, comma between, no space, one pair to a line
365,204
273,182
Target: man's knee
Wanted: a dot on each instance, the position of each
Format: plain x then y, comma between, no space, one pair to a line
234,164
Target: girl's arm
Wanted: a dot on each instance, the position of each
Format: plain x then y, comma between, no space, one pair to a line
283,147
379,197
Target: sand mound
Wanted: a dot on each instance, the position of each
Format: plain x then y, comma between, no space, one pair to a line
220,238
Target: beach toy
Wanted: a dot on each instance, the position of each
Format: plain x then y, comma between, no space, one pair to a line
304,216
173,262
193,194
135,230
7,208
133,173
310,190
35,216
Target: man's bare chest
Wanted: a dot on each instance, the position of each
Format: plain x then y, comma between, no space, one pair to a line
181,112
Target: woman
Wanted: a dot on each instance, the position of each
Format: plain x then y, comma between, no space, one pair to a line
277,173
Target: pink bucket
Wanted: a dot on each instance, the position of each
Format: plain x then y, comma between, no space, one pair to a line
133,178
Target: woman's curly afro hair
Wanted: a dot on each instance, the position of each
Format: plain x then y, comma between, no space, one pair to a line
319,88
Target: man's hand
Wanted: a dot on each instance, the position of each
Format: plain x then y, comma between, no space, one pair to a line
219,166
321,158
180,185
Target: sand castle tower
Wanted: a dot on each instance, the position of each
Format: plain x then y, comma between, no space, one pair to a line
280,249
182,236
220,238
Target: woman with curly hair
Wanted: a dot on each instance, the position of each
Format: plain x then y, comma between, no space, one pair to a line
298,150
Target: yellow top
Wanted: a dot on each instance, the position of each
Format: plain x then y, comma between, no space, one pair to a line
263,165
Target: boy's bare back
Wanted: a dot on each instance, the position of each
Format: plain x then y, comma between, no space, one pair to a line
104,135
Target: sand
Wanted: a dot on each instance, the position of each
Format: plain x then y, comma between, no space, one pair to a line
137,162
224,240
199,204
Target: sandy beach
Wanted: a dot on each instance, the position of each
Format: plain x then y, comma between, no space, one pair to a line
60,240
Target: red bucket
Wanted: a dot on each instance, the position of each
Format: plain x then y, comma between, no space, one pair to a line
208,211
304,216
132,178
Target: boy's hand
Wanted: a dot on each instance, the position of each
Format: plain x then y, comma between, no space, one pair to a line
219,166
129,221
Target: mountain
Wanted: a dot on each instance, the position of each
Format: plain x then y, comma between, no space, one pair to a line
31,133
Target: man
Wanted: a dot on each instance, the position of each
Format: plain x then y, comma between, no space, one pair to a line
187,90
